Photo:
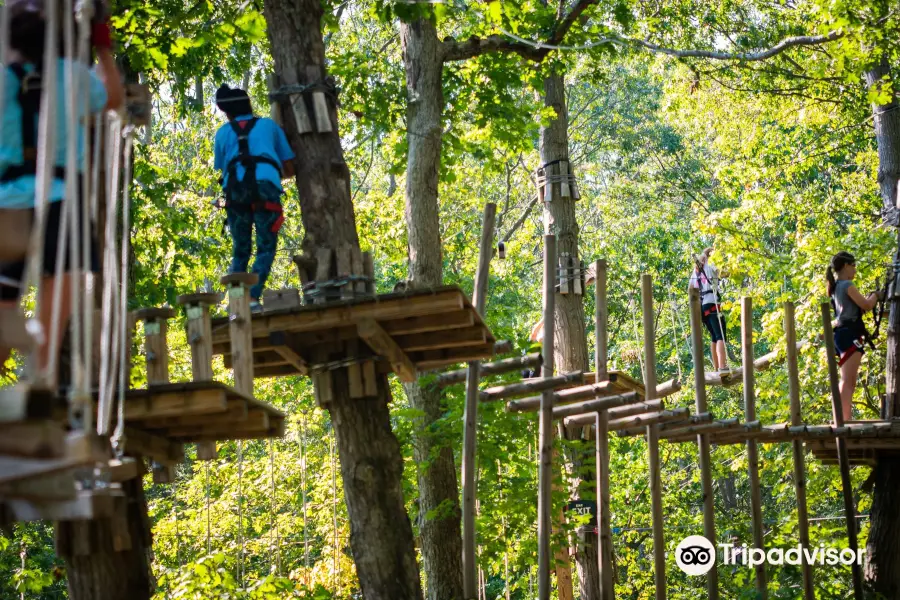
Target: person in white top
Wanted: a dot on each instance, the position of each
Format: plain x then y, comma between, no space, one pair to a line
705,278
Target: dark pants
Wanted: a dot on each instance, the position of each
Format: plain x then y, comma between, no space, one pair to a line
241,220
715,328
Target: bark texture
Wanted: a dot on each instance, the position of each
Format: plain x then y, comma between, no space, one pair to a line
439,510
381,537
95,570
571,338
882,570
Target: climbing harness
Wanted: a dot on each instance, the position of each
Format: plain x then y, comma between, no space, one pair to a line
238,191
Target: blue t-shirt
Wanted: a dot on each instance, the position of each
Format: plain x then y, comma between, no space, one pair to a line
19,193
266,139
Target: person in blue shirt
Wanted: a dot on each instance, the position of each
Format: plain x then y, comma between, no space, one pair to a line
19,147
253,155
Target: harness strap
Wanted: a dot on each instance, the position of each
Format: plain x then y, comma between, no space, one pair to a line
713,309
29,99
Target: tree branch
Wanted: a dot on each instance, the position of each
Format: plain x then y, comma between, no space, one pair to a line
785,44
475,46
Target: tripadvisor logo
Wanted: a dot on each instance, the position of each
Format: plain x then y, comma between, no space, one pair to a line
695,555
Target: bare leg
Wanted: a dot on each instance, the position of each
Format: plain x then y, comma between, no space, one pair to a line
714,355
723,355
46,318
849,373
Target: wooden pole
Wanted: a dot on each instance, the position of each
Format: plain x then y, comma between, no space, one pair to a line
659,538
199,335
843,458
601,318
790,334
703,451
752,450
470,418
545,473
605,553
156,346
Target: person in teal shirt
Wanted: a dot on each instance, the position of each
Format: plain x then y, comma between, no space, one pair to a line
253,155
19,148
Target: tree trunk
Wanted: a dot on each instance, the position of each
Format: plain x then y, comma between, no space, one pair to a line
439,511
882,569
381,537
571,337
95,570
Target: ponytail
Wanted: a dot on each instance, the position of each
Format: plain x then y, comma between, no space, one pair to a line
829,278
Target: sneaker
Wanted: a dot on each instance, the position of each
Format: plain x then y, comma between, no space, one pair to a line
255,307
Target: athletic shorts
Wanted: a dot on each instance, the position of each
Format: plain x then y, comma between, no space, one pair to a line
848,339
15,271
717,331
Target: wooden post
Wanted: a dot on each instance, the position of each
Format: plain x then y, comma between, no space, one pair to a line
199,336
790,334
601,318
604,527
545,472
703,451
156,348
762,591
843,458
470,419
238,290
659,538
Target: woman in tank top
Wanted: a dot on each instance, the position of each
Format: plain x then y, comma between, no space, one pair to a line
849,331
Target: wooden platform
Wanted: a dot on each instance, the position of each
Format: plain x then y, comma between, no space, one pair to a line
199,411
406,333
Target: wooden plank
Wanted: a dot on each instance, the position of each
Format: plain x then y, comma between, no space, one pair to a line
842,456
596,405
370,379
435,359
236,411
383,344
369,271
320,109
441,322
529,361
143,444
176,404
87,506
382,308
513,390
256,420
324,257
703,450
123,469
565,396
356,268
47,488
453,338
617,413
354,372
344,268
37,439
290,357
653,418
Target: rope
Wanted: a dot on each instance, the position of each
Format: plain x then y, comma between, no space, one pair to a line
303,459
334,560
119,435
46,150
636,337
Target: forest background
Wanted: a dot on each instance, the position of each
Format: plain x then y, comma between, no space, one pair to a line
772,162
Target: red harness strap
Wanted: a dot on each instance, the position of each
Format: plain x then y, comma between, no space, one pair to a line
713,309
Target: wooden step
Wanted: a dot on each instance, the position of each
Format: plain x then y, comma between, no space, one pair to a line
87,505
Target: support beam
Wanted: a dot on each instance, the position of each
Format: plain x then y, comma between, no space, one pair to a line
529,361
605,557
545,471
199,336
703,449
592,406
470,418
749,371
793,370
842,454
659,538
616,413
381,343
548,383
